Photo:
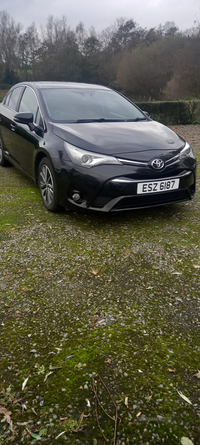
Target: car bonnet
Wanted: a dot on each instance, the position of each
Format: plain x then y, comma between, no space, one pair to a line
132,140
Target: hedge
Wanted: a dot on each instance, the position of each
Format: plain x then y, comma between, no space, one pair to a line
173,113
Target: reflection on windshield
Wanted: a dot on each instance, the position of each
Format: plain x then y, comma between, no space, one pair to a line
89,105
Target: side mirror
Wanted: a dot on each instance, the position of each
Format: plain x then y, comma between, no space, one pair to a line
25,118
146,114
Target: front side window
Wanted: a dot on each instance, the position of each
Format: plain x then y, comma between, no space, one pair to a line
38,119
7,98
29,103
14,98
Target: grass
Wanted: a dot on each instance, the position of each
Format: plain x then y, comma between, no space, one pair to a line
95,305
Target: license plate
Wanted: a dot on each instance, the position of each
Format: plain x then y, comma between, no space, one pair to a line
158,186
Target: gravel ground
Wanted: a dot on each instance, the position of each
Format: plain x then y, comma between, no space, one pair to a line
99,319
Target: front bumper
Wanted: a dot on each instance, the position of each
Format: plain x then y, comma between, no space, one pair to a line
118,194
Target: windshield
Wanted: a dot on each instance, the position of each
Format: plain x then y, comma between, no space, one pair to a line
88,105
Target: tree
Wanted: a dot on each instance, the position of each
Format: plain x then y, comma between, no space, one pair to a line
123,35
27,49
185,83
146,70
170,29
59,57
9,34
81,36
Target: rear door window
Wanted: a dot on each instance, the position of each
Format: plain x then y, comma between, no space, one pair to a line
14,98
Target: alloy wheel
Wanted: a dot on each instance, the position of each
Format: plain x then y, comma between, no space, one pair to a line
46,185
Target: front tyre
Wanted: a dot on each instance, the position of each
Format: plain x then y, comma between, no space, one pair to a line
47,185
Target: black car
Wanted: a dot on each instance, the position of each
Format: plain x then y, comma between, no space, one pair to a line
89,147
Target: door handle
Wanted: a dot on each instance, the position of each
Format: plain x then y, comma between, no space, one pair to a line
12,126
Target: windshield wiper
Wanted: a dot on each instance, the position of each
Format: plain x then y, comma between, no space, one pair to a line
100,119
137,119
103,119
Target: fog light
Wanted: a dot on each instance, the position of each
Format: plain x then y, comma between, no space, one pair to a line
76,196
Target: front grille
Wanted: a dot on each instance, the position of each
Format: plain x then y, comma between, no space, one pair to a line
168,162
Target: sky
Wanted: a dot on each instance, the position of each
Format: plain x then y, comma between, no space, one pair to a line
102,13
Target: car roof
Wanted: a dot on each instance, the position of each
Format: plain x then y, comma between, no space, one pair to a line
48,84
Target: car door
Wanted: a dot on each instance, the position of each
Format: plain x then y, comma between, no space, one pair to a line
28,140
8,111
19,142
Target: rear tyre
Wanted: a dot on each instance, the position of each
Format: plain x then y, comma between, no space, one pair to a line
47,185
3,160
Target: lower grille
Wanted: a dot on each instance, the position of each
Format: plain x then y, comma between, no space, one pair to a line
152,200
101,201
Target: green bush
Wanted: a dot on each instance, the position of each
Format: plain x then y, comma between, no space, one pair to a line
2,94
173,113
5,86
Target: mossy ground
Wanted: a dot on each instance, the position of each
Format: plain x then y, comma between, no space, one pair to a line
98,303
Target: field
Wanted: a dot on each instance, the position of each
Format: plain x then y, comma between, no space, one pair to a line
99,319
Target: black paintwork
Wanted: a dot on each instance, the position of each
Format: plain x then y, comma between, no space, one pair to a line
24,144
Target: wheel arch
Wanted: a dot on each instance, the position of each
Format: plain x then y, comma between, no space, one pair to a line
38,159
3,160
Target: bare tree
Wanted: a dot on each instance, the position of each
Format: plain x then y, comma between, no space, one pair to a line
185,83
146,70
9,34
28,45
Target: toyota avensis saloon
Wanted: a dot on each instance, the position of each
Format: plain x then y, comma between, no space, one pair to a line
88,147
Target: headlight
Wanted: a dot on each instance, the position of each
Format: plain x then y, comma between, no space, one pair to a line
88,159
187,151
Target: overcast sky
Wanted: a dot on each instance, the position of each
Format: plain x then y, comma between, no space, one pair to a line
103,13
